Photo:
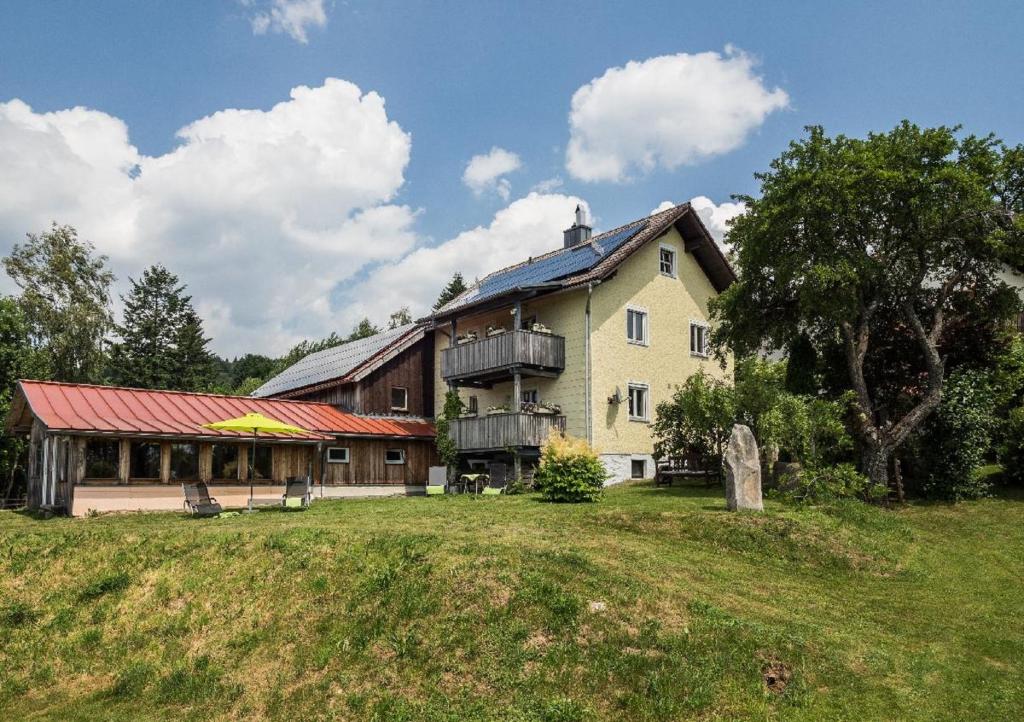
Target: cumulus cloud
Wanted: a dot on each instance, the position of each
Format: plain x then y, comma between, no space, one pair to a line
293,17
264,213
486,172
714,216
527,227
667,111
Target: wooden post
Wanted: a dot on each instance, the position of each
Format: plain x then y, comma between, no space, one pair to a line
898,478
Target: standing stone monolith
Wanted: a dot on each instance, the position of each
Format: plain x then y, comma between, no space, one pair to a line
742,471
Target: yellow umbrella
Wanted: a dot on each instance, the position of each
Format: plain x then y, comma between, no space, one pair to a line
255,423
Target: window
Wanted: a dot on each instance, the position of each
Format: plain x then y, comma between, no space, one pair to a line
698,339
145,460
667,261
531,396
337,455
225,462
636,326
102,458
638,469
473,406
399,398
263,466
394,456
184,461
638,402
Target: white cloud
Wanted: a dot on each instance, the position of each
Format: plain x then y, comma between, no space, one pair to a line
716,217
527,227
263,213
667,111
485,172
663,206
293,17
548,184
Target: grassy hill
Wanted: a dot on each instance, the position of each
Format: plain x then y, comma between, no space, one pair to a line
652,604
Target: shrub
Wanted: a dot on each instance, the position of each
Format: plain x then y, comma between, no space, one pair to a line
1011,453
957,437
830,483
569,470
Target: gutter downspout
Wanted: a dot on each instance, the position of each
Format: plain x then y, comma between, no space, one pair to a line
588,410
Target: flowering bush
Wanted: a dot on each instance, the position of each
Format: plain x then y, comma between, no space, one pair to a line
569,470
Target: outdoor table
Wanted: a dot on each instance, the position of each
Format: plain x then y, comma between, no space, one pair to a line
467,479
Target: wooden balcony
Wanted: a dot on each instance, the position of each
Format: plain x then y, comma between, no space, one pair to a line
495,432
495,358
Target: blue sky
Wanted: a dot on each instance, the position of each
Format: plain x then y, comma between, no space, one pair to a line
456,79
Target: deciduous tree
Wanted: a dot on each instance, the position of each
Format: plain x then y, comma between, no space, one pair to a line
854,239
65,299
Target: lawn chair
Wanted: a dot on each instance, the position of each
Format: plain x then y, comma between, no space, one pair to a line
198,501
296,493
437,481
498,480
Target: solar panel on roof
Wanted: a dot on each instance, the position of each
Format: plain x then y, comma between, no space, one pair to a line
550,268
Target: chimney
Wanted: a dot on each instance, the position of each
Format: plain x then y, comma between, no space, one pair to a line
580,231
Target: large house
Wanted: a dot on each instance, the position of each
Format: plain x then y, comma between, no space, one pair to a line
588,339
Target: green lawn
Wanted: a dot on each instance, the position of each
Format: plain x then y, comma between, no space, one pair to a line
652,604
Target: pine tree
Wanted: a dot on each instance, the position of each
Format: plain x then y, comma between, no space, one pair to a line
455,287
196,365
161,340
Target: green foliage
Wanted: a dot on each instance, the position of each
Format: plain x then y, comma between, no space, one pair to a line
363,329
161,340
401,317
65,299
455,287
857,242
446,449
698,419
18,360
1011,451
700,416
830,483
569,470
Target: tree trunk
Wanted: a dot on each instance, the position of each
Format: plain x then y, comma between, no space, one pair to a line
876,465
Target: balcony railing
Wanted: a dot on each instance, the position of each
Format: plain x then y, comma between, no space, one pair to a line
496,355
502,431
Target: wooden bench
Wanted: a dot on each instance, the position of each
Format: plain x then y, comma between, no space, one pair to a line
691,466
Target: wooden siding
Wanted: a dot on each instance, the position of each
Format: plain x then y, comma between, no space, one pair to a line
502,431
412,369
504,351
366,462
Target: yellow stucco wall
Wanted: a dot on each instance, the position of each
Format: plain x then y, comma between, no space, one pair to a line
671,303
663,364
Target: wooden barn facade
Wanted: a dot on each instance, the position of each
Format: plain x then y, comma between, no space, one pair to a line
99,448
389,374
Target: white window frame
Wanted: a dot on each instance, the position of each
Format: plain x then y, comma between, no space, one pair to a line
633,461
401,454
348,455
645,318
673,273
403,407
638,386
701,325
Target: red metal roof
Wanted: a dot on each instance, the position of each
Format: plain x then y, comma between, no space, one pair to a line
109,409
